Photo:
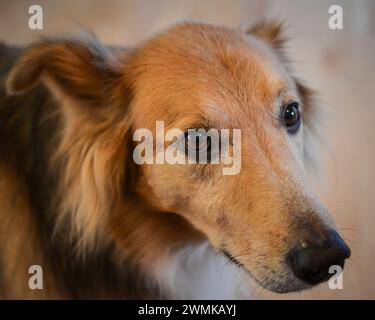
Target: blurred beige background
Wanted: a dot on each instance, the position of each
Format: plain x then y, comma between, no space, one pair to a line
339,64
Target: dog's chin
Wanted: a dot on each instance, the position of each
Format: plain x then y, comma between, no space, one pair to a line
282,286
286,282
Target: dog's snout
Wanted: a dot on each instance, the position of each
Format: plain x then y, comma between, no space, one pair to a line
311,263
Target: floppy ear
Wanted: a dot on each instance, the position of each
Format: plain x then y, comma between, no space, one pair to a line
80,68
270,32
93,150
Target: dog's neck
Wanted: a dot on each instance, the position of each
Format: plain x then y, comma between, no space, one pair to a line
198,272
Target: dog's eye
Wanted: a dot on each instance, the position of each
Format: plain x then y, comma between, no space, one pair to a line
291,117
197,141
202,146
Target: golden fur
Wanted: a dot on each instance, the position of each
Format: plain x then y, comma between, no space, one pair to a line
101,203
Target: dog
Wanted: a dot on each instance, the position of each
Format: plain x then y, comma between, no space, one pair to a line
74,202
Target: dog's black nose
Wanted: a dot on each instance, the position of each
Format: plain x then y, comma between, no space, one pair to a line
312,262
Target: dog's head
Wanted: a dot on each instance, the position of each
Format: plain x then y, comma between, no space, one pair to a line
265,217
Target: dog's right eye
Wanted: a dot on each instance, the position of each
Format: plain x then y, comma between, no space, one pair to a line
197,141
202,146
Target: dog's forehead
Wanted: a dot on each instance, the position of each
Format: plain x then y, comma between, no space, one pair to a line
249,80
213,71
238,73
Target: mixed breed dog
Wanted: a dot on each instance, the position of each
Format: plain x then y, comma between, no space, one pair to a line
83,195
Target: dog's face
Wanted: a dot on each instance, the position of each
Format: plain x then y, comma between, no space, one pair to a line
210,77
265,218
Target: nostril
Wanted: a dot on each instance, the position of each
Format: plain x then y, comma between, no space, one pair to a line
312,263
307,265
316,276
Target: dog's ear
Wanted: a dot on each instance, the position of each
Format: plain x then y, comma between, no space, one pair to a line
94,146
270,32
79,68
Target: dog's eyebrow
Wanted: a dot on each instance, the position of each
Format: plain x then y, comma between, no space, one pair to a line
281,93
284,95
203,123
216,111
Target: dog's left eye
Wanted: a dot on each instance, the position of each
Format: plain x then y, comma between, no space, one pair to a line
291,117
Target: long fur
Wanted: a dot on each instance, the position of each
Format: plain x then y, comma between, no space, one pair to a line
71,198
